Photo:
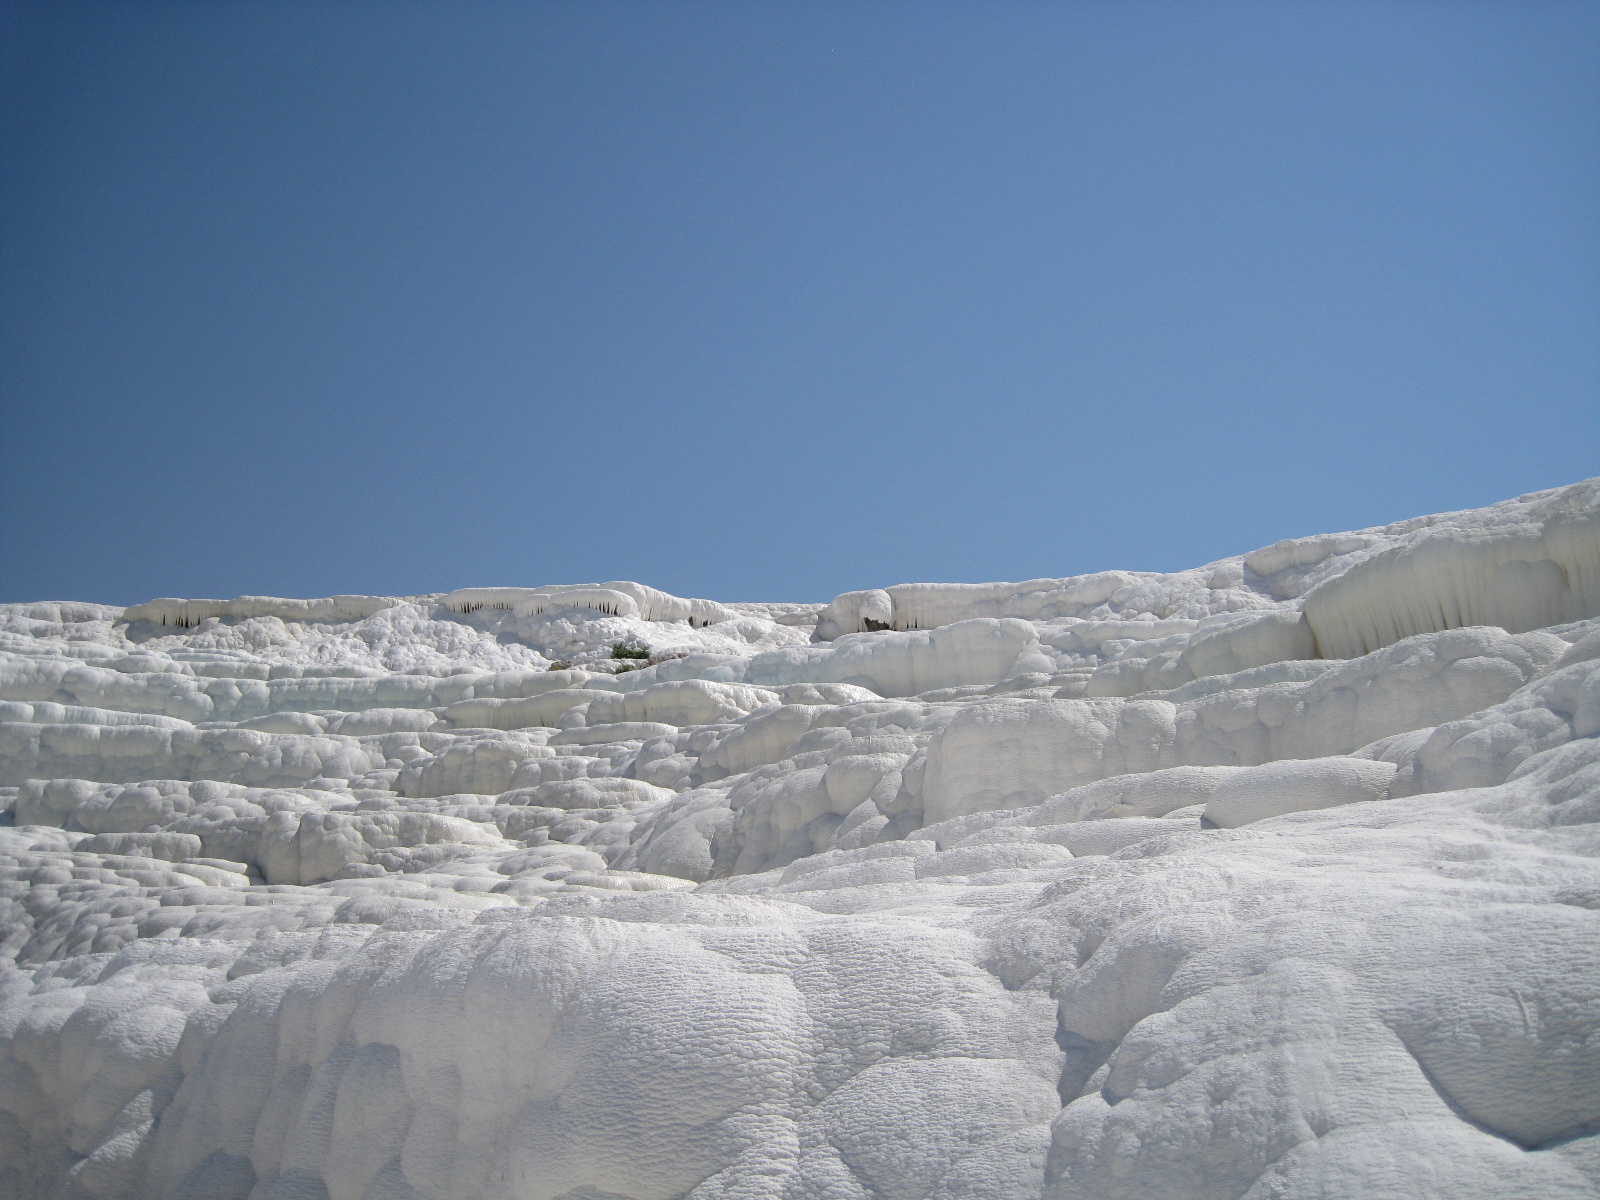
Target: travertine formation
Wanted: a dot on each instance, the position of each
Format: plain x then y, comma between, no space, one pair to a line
1274,879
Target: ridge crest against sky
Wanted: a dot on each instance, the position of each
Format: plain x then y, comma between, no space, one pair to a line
772,302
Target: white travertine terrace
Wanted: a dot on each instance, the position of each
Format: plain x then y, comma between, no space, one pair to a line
1275,879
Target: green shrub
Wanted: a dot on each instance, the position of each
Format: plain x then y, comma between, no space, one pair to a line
623,650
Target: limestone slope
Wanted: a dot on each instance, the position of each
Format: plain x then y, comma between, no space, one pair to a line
1274,878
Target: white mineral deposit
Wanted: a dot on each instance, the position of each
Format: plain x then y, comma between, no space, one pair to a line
1274,879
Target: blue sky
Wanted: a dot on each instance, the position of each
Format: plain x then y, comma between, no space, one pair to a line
773,300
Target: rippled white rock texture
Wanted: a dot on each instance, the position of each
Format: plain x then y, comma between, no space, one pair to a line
1275,878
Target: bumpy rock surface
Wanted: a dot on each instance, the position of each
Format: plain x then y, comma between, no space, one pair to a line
1272,879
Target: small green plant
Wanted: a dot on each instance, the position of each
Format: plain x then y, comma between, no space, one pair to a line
623,650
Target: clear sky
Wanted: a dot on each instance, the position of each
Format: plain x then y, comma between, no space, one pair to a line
771,300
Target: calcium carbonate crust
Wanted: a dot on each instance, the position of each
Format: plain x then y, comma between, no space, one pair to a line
1275,879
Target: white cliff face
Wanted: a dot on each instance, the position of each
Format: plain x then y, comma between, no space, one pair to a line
1272,879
